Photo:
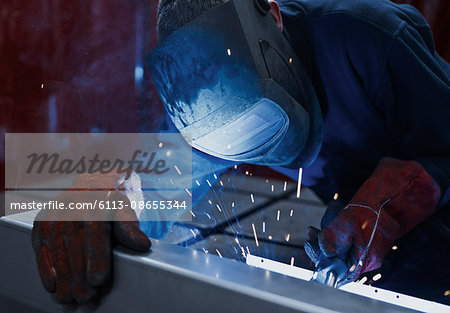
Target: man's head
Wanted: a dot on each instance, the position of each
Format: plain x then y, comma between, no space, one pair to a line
232,84
174,14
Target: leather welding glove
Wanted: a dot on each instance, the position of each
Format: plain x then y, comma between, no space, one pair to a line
396,197
74,257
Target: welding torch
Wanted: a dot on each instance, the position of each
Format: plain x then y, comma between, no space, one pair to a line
329,271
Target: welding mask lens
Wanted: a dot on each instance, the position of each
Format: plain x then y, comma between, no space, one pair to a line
250,131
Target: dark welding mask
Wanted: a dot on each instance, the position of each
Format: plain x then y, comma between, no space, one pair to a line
233,86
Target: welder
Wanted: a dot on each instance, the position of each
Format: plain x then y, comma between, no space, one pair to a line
351,91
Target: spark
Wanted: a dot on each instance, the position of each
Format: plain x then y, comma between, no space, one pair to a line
363,280
232,204
290,60
394,248
235,167
291,213
292,261
229,146
285,186
248,250
278,215
264,227
42,86
447,292
209,216
221,183
273,188
168,153
209,183
287,237
218,252
206,251
193,233
171,181
376,277
246,172
177,169
300,173
218,207
229,51
251,197
237,240
267,181
364,225
192,213
209,201
254,233
198,184
360,263
336,196
160,145
215,176
352,268
243,251
270,237
188,192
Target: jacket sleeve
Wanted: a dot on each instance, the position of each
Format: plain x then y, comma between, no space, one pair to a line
414,98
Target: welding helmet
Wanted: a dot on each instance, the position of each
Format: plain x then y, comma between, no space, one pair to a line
233,86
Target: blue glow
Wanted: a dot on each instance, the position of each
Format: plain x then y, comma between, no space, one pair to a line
138,73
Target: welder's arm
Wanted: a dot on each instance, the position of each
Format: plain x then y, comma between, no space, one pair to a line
396,198
74,257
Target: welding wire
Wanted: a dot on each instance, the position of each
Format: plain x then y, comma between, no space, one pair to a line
253,199
285,186
177,169
219,253
300,173
254,233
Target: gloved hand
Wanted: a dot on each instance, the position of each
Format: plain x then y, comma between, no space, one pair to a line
396,197
74,257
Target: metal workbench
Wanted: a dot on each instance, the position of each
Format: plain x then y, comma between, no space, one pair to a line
171,278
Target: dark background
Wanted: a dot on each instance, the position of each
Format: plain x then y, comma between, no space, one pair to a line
85,54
